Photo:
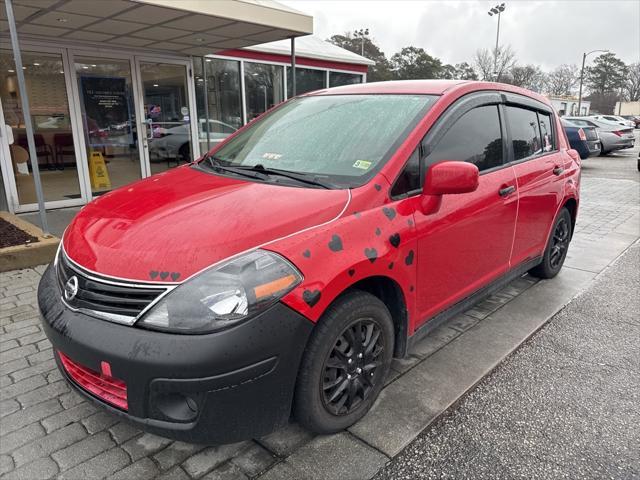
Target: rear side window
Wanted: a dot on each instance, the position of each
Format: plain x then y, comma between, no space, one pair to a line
525,132
548,140
476,137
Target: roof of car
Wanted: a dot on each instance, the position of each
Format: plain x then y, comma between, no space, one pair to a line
427,87
424,87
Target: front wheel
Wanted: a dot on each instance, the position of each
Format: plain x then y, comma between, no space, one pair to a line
345,364
557,247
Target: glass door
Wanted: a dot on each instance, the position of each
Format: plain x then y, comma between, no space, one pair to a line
109,122
167,132
54,133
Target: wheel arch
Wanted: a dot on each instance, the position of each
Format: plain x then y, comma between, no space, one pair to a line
389,292
571,204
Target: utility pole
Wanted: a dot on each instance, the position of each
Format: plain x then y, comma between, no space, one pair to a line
497,10
584,57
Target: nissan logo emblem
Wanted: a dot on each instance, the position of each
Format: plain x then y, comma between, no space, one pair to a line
71,288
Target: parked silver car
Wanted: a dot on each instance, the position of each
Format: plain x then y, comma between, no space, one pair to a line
612,136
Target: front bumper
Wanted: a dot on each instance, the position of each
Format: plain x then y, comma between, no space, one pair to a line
215,388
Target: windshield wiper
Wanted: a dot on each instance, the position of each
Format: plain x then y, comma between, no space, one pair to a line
216,164
300,177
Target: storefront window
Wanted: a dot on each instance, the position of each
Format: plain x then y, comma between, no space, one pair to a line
49,107
108,121
307,80
263,87
223,97
337,79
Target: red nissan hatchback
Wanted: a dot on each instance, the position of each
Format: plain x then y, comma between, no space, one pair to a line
282,271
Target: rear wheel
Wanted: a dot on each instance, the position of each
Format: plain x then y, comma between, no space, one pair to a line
345,364
557,247
602,152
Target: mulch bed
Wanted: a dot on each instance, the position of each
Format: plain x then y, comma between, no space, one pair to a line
10,235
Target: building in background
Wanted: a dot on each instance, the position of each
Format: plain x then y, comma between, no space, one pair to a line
566,105
627,108
121,90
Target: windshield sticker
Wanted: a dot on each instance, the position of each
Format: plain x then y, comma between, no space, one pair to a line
271,156
362,164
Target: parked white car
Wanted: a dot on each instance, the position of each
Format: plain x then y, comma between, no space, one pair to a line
615,119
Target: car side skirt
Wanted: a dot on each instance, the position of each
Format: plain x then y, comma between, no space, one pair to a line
434,322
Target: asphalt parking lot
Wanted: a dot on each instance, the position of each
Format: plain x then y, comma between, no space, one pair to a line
423,425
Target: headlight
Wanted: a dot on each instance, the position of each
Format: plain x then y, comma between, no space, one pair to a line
224,295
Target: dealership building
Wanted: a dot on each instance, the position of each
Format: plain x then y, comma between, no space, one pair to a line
122,89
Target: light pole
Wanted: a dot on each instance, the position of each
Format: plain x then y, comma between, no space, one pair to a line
497,10
584,57
362,33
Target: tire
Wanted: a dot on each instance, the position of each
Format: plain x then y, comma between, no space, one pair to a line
602,150
331,366
557,247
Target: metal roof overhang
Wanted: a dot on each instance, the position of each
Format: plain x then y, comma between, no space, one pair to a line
185,27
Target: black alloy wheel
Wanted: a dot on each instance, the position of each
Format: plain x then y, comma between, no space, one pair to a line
557,247
345,363
349,371
559,243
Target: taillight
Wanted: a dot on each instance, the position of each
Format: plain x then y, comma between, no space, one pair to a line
581,134
618,133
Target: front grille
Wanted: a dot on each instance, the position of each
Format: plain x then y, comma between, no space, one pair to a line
102,297
106,388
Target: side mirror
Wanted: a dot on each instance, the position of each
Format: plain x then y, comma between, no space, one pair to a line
451,177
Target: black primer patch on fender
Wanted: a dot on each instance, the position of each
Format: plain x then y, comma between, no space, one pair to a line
352,272
409,258
378,187
311,297
306,253
390,213
336,243
391,266
153,274
175,276
164,275
371,254
395,240
378,231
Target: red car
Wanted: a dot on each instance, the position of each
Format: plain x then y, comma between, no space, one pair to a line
284,270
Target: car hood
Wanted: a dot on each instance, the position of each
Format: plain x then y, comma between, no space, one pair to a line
169,226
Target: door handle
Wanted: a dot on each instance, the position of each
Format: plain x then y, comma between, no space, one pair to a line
507,191
558,170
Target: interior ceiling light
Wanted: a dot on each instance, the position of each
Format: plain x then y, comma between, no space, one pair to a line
62,20
11,71
155,85
36,64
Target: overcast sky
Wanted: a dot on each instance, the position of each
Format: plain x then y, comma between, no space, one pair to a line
546,33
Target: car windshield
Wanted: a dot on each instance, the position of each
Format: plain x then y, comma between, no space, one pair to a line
341,140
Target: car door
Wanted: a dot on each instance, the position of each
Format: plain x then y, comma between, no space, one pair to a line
539,167
466,243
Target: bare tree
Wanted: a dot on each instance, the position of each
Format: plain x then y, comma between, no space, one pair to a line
493,64
632,85
527,76
563,79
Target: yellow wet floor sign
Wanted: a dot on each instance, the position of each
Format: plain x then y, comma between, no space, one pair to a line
98,171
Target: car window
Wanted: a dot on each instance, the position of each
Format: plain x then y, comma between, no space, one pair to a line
548,139
476,137
409,180
525,132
